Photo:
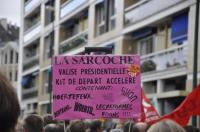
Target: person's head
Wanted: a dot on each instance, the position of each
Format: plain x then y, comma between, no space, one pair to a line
141,126
77,126
166,126
128,127
33,123
48,119
117,124
53,128
96,126
107,125
116,130
87,125
9,105
191,129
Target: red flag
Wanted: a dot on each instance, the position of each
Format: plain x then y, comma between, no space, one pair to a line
189,107
149,113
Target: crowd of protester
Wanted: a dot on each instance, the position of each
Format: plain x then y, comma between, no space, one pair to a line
36,123
10,121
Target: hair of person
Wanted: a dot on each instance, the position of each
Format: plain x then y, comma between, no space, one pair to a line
166,126
95,126
191,129
129,127
107,125
77,126
9,105
48,119
53,128
33,123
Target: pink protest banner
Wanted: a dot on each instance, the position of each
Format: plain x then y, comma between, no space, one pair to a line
88,87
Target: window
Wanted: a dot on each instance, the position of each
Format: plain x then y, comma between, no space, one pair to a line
33,19
48,44
100,21
170,104
16,58
105,16
112,14
45,89
15,75
10,75
179,32
29,106
11,56
45,108
49,12
150,87
177,83
35,105
63,1
31,50
146,46
31,55
75,28
6,58
69,29
83,24
128,3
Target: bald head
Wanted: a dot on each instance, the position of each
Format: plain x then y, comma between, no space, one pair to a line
142,126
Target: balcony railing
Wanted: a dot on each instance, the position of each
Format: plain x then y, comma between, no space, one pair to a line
30,5
165,59
146,8
29,93
70,6
33,31
73,42
30,62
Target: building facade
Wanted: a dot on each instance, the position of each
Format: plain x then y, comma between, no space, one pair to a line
162,32
9,46
9,63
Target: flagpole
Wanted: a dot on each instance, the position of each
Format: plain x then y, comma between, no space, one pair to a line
195,63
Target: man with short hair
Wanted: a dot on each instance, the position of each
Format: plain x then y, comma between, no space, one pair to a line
48,119
33,123
9,106
77,126
96,126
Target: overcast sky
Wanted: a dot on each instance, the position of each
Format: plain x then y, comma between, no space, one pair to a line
10,9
